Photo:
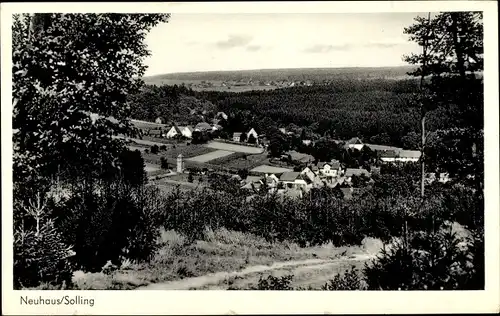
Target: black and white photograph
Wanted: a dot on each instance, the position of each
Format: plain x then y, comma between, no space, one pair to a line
334,151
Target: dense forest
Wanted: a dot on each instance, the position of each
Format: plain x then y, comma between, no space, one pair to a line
378,111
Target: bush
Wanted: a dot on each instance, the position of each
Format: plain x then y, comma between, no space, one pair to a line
349,281
155,149
163,163
435,261
40,253
272,283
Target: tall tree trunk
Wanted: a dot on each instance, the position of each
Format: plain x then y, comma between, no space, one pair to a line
457,44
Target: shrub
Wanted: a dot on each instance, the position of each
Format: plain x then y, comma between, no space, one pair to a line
155,149
349,281
40,253
430,261
163,163
272,283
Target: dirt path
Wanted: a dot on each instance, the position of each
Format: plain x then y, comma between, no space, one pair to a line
216,278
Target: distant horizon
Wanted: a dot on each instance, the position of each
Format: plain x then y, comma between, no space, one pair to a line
205,42
270,69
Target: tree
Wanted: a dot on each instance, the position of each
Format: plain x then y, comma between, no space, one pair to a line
252,139
163,163
243,137
85,63
278,144
452,53
155,149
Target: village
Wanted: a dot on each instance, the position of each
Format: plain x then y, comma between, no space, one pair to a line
186,156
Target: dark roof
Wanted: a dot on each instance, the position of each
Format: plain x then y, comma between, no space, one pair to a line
289,176
203,126
352,171
382,147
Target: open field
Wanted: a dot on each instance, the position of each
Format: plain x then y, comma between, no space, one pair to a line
234,147
146,125
149,167
248,162
211,156
228,260
269,169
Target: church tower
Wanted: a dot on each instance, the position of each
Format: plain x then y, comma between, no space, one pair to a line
180,166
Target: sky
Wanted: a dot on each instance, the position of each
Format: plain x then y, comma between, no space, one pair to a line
205,42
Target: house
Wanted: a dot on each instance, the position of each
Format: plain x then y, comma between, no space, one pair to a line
156,133
293,180
400,156
186,131
354,143
282,130
158,120
355,172
329,169
236,137
203,127
307,172
253,133
307,142
383,147
444,177
252,182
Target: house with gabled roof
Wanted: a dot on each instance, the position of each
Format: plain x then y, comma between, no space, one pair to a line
354,143
329,169
236,137
253,133
186,131
400,156
293,180
350,172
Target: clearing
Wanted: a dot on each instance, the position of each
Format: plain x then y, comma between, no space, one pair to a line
234,147
270,169
211,156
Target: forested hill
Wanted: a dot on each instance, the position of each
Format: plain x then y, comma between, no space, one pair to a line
378,111
292,74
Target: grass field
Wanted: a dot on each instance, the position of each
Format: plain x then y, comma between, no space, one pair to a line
146,125
269,169
211,156
226,260
234,147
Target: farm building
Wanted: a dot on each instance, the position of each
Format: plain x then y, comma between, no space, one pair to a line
355,172
383,147
252,182
400,156
203,127
354,143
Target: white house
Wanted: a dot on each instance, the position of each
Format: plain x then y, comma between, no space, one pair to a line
400,156
329,169
293,180
308,173
158,120
354,143
236,137
253,133
186,131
